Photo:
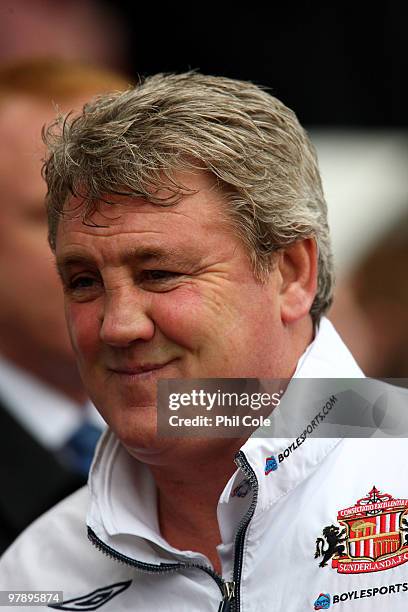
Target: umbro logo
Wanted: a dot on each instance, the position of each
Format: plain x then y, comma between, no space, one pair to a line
93,600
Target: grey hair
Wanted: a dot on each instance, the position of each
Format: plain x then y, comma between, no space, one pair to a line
133,142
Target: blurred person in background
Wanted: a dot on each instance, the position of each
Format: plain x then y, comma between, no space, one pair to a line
75,30
371,306
49,428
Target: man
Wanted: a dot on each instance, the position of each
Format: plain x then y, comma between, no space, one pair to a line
42,400
190,233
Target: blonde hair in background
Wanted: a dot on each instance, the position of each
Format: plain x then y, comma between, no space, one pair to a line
52,79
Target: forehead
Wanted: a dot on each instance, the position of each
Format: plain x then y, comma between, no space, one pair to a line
198,220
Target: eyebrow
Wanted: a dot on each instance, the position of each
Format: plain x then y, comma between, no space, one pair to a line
141,255
65,261
159,255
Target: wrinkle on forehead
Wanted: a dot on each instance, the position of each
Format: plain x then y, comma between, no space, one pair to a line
197,223
109,219
140,239
199,186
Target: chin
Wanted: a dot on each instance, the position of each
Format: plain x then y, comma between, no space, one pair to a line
135,427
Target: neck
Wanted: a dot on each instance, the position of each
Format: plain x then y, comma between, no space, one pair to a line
188,496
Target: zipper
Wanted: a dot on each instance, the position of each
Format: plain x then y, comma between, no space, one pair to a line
151,568
242,462
228,599
230,590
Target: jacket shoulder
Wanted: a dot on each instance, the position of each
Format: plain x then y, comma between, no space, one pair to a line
58,536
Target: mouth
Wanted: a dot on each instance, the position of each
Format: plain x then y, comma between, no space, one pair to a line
138,371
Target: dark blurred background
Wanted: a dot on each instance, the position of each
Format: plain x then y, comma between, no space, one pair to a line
335,63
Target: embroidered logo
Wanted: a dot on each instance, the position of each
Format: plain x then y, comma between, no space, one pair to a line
270,464
373,536
322,602
93,600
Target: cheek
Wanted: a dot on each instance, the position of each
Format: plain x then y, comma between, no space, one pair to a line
83,325
183,316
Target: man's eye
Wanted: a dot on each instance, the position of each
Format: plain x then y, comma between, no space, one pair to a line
159,275
83,288
81,282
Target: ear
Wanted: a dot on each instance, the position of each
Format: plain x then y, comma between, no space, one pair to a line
298,270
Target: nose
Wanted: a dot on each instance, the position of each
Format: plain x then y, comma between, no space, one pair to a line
126,318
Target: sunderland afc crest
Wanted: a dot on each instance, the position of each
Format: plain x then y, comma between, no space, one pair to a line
372,537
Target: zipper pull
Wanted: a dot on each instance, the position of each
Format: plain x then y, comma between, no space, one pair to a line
229,595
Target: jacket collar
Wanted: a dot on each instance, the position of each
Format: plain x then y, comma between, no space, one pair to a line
122,509
326,357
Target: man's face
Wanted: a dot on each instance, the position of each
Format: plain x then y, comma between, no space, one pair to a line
164,292
31,306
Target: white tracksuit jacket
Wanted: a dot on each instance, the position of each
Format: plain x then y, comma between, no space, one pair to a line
347,497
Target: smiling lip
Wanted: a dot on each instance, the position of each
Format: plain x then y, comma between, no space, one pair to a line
138,369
